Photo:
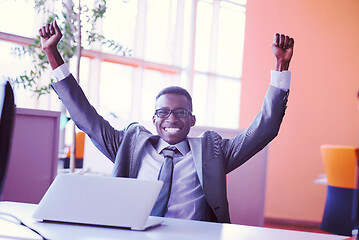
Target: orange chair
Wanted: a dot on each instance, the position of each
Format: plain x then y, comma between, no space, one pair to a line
79,154
340,164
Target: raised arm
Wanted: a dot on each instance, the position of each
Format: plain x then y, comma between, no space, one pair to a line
50,36
282,48
265,126
105,137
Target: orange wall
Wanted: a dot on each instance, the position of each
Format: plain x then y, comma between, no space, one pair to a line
322,106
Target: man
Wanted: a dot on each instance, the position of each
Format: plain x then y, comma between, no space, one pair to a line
197,172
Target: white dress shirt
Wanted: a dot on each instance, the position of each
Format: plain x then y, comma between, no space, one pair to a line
187,200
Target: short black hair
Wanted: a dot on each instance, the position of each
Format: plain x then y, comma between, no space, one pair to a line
176,90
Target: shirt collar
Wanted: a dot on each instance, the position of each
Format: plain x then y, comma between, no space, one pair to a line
182,147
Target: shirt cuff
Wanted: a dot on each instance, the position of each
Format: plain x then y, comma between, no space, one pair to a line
61,72
280,79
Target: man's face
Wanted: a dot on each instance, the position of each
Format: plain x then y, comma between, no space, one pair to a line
173,129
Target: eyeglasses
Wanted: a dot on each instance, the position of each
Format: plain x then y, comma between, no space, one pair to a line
178,113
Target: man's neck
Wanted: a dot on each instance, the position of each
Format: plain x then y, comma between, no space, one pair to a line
182,146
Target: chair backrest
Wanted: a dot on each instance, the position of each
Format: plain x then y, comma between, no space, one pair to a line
7,111
80,145
340,164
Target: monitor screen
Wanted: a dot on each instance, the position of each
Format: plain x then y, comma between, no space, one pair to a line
7,111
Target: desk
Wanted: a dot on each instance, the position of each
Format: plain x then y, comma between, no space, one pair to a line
174,229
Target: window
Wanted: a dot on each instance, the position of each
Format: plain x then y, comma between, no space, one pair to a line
115,89
196,44
10,12
11,66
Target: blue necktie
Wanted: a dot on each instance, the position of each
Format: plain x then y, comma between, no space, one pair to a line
165,175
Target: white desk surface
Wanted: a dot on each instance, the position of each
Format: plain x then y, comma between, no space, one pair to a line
174,229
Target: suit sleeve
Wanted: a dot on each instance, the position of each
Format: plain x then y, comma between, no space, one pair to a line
103,135
261,131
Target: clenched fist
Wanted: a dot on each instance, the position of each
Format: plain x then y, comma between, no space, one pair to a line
282,48
50,35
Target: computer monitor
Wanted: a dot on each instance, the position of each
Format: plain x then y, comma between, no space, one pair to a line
7,112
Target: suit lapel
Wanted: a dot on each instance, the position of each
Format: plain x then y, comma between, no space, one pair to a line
196,148
138,149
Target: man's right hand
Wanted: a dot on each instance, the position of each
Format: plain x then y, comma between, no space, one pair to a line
50,35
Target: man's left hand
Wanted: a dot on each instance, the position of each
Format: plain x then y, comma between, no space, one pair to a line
282,48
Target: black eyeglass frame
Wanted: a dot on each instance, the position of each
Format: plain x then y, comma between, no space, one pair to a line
176,114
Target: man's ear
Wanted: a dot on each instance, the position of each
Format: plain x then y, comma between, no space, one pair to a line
154,120
193,120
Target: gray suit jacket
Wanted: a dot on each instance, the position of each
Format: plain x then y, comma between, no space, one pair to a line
214,157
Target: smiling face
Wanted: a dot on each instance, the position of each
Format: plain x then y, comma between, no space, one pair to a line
171,129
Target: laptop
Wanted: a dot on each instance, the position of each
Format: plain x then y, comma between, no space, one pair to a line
100,200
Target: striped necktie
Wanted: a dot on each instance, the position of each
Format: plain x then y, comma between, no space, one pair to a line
165,175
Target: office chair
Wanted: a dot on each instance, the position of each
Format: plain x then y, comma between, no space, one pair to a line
7,111
79,152
340,164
